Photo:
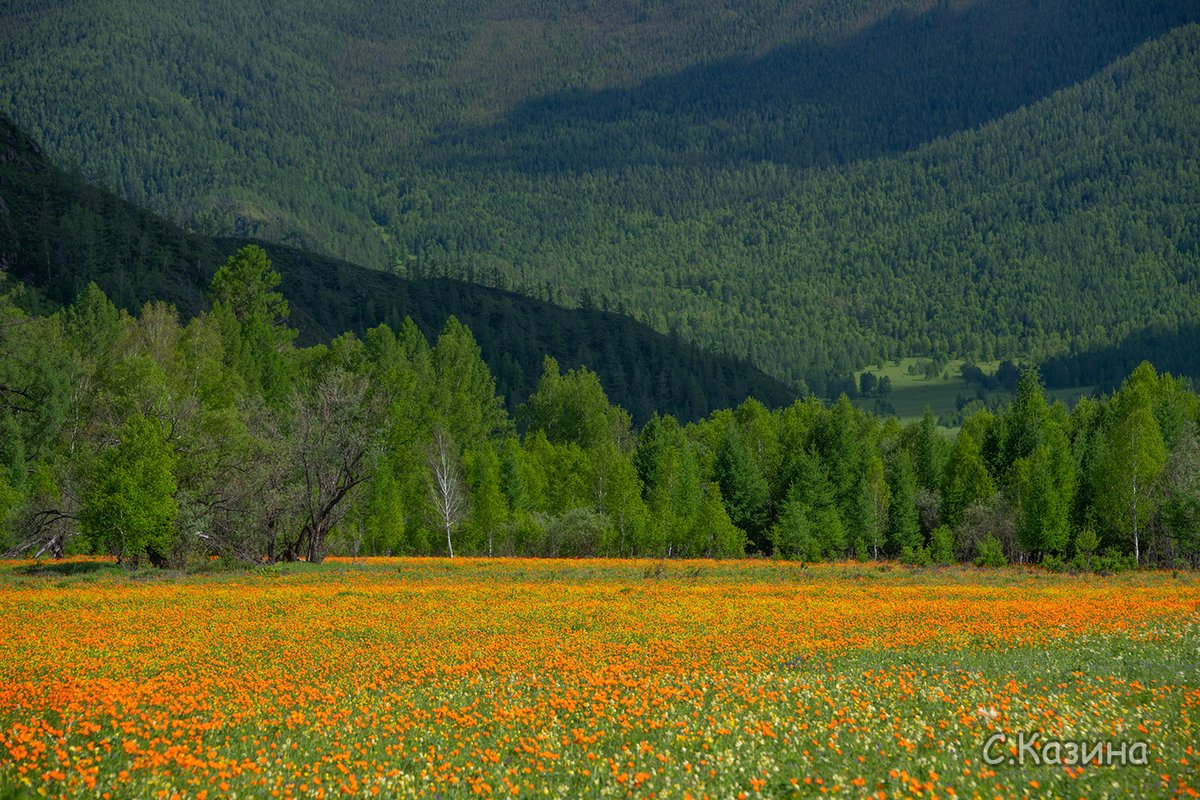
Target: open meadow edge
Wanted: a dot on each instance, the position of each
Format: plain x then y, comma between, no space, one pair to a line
604,678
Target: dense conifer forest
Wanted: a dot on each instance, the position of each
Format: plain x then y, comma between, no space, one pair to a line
59,234
815,186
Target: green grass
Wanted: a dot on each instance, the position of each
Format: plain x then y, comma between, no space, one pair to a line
587,678
912,393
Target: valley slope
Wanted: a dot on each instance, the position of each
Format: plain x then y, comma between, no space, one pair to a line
58,233
812,185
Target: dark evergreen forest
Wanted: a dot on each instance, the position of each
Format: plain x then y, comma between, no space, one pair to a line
59,234
813,186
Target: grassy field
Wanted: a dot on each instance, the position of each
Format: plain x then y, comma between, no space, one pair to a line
912,393
399,678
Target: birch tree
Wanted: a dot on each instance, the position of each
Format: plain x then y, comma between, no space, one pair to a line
875,496
1133,458
447,489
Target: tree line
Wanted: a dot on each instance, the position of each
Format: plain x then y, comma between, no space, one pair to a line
154,440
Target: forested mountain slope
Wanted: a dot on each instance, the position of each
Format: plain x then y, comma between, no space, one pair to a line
58,234
814,185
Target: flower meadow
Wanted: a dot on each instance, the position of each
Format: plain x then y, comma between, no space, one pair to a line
436,678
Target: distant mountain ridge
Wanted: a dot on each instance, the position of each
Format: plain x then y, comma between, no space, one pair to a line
58,233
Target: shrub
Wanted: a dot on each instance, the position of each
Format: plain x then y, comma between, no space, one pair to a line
994,518
991,553
917,556
1086,542
941,545
1114,560
576,534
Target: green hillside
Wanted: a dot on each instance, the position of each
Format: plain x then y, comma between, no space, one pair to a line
58,234
813,185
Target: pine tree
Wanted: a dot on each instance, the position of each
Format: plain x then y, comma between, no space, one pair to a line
1047,491
743,487
1025,421
793,535
253,317
928,453
965,479
905,524
810,526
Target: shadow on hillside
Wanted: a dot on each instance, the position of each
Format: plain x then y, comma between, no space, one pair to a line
641,369
135,256
1175,351
904,81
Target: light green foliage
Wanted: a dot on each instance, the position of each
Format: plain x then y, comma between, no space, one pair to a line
130,507
991,554
39,375
760,431
573,408
941,545
794,536
1025,422
838,439
670,473
874,501
464,392
10,501
965,480
810,526
13,466
743,486
1132,459
512,475
797,429
618,496
381,511
563,474
1086,543
402,376
151,435
1045,491
916,556
714,535
489,507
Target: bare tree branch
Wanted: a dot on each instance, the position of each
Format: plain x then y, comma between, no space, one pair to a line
447,489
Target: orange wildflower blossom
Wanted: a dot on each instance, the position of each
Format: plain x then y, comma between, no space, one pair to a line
422,677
